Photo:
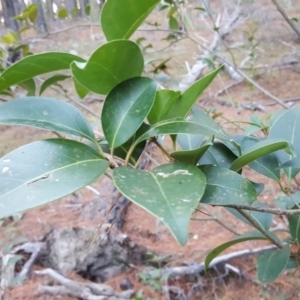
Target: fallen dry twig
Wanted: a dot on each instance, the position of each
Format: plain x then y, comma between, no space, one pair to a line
87,291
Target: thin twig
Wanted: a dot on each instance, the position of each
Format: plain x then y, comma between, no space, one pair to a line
274,211
259,228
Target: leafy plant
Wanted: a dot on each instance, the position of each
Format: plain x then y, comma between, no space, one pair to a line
206,162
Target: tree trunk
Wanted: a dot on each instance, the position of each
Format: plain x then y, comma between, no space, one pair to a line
41,22
19,6
49,11
82,8
8,13
70,5
95,11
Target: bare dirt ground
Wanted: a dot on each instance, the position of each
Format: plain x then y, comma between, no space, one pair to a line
142,227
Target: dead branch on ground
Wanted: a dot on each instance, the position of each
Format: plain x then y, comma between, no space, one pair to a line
80,290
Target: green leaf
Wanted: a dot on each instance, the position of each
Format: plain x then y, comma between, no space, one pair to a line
62,13
254,235
46,113
32,11
125,109
29,86
263,219
162,192
191,156
109,65
197,115
35,65
81,90
164,100
294,226
173,23
293,164
87,10
45,171
260,149
271,264
266,165
178,125
187,100
51,81
119,20
225,187
285,126
218,154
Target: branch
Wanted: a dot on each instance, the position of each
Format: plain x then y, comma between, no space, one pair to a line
196,269
87,291
274,211
288,20
259,228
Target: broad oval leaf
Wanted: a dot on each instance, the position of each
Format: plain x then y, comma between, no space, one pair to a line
294,226
254,235
197,115
46,113
271,264
119,20
191,156
266,165
285,126
179,125
35,65
189,97
109,65
218,154
29,85
45,171
81,90
52,81
163,193
125,109
225,187
164,100
259,150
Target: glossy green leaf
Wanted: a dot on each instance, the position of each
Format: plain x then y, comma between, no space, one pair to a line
125,109
294,226
44,171
164,100
254,235
178,125
293,164
81,90
109,65
123,150
191,156
263,219
197,115
119,20
187,100
35,65
271,264
259,150
29,86
52,81
266,165
225,187
46,113
173,23
218,155
162,192
285,126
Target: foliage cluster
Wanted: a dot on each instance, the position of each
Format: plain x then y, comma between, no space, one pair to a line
206,161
